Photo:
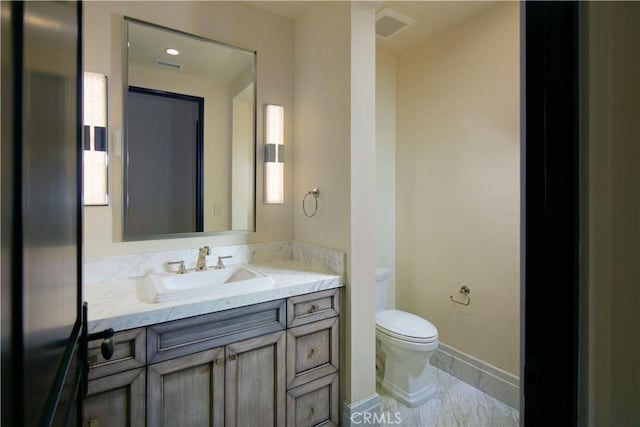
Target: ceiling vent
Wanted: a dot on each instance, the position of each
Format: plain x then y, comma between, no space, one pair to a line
167,64
389,22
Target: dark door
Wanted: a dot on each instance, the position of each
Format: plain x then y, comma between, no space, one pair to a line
550,251
164,163
41,213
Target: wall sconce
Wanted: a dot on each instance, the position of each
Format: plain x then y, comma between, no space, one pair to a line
274,154
95,187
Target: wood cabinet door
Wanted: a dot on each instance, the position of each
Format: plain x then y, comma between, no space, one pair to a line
116,400
255,382
187,391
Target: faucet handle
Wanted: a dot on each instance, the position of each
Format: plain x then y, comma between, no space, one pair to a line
220,265
181,268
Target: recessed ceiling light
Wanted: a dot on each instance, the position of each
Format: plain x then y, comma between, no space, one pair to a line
172,51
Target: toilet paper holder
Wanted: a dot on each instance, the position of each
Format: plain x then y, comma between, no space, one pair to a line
465,291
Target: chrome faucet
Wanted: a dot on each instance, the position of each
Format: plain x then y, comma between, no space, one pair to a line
220,265
201,265
180,264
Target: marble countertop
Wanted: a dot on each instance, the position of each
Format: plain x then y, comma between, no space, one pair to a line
117,305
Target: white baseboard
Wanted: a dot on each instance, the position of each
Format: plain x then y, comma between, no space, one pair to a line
485,377
362,413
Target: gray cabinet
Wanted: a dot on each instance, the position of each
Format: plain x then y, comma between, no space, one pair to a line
187,336
314,403
116,400
255,382
236,385
312,351
269,364
313,359
187,391
117,387
312,307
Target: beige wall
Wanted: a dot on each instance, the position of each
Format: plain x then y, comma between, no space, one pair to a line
231,22
386,164
610,290
322,124
242,209
335,151
458,183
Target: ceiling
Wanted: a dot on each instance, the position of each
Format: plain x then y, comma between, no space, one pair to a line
287,9
431,17
197,56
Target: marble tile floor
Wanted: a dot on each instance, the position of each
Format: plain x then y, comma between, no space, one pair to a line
455,403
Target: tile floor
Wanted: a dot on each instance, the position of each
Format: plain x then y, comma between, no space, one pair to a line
455,403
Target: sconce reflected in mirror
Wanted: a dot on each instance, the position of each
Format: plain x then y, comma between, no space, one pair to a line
274,154
95,184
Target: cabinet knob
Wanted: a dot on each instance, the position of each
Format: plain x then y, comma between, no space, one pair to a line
313,412
232,357
312,353
313,309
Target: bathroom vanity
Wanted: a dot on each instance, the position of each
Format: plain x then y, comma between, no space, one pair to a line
261,357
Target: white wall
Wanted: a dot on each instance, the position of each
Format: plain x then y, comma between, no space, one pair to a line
457,183
335,151
386,164
231,22
610,290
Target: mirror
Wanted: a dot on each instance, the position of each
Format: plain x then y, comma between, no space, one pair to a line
190,111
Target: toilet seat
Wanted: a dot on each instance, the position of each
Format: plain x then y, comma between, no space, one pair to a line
406,327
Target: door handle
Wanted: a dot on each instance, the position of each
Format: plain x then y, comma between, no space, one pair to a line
107,347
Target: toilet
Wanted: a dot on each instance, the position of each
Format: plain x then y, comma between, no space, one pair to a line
404,345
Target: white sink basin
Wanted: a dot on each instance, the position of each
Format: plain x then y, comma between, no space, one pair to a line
167,287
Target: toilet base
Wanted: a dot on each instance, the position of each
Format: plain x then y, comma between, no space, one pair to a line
411,400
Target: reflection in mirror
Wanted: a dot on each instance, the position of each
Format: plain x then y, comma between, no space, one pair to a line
190,135
95,159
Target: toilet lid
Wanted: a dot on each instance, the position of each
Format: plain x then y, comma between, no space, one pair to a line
402,324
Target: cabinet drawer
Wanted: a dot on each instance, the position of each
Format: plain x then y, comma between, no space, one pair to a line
129,353
116,400
187,336
312,351
312,307
314,403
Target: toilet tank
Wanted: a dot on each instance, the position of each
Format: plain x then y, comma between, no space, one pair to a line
382,289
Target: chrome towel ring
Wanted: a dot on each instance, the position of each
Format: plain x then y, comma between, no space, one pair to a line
315,193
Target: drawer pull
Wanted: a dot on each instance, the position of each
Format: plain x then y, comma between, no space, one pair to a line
312,353
313,412
313,309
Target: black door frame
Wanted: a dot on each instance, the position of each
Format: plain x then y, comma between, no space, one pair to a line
63,402
550,246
